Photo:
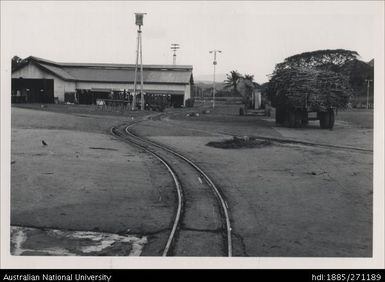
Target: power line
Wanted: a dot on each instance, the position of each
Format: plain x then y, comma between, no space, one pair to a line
214,63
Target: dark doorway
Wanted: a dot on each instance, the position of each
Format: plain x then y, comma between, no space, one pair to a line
84,96
28,90
69,97
88,97
177,100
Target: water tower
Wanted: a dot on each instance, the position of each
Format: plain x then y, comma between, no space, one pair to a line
139,23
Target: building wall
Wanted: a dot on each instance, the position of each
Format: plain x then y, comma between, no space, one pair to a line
130,86
60,86
257,99
187,93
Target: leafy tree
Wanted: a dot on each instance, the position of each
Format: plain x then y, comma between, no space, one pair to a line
325,59
232,80
16,61
337,60
358,72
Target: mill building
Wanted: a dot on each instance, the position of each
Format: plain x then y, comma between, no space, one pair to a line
38,80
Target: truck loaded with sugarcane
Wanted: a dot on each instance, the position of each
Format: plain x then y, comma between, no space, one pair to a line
312,82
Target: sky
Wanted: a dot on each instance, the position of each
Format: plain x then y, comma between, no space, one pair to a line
253,35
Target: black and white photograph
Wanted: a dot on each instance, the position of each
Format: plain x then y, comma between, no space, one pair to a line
200,134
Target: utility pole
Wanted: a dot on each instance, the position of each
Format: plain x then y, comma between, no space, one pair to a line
174,48
367,92
214,63
139,23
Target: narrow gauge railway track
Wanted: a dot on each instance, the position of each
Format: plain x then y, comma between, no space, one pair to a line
201,225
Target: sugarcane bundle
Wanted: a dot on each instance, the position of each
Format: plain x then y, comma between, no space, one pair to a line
309,88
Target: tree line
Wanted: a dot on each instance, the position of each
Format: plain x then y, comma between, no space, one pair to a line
341,61
345,62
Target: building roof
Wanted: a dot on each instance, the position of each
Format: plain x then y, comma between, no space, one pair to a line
123,73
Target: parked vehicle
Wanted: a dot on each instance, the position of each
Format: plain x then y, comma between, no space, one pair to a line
300,116
298,92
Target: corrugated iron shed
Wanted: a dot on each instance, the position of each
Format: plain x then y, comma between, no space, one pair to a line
123,73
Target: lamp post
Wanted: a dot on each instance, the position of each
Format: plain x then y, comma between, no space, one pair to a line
174,48
214,63
139,23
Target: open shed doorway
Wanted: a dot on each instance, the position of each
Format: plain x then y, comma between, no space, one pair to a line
176,101
28,90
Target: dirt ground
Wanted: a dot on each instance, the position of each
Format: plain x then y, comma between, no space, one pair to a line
84,179
285,200
352,127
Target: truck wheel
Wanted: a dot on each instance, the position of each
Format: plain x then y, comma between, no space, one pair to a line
279,116
292,119
324,120
305,118
298,119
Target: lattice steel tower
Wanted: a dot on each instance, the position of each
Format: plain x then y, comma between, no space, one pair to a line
139,23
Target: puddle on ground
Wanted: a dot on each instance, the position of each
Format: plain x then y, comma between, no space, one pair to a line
27,241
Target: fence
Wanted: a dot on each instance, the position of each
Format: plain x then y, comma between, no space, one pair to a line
110,105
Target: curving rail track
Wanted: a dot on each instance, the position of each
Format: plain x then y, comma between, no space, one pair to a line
201,226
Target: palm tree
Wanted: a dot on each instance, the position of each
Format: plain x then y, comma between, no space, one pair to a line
249,83
232,80
249,77
245,89
16,61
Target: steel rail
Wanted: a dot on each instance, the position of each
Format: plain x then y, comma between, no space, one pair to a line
178,189
205,176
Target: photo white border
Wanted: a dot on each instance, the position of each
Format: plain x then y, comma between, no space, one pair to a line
17,262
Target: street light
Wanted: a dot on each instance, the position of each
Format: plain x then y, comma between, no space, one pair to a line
214,63
139,23
174,47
